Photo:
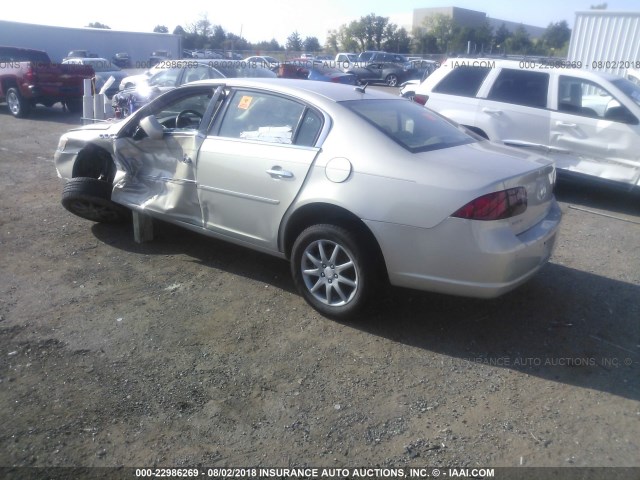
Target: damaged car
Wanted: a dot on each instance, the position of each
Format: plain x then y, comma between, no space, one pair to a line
587,121
356,188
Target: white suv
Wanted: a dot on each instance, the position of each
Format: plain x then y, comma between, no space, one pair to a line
587,121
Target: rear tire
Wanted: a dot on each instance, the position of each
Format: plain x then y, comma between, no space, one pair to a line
18,105
333,270
392,80
90,198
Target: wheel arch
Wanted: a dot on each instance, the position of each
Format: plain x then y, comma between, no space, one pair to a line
8,83
318,213
94,161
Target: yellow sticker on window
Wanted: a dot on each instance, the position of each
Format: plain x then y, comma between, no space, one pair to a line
245,102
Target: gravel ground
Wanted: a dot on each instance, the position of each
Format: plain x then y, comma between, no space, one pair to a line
188,352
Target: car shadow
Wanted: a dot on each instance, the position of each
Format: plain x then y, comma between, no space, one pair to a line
564,325
597,195
47,114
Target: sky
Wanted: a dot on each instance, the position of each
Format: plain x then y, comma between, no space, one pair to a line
258,20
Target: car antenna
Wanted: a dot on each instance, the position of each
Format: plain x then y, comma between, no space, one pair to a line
362,88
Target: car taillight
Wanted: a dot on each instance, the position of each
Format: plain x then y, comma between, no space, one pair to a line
421,99
495,206
30,75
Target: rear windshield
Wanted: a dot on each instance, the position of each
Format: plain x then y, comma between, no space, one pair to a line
412,126
249,70
19,55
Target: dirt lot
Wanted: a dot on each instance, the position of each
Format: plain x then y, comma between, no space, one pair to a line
191,352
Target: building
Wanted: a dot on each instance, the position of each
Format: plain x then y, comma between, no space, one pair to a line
58,41
605,40
472,19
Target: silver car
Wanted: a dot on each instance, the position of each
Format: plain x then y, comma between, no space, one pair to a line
356,187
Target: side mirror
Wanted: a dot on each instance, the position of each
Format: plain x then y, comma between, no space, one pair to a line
152,127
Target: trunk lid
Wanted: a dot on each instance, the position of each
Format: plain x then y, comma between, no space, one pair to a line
483,167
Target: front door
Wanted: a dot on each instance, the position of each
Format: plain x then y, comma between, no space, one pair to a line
159,164
592,133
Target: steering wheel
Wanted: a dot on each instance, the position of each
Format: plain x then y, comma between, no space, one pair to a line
183,118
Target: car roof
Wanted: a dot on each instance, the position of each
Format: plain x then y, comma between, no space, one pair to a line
89,59
307,89
562,66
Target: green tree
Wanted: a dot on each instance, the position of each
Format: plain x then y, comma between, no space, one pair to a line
424,42
443,28
201,27
500,38
265,46
99,25
160,29
519,41
397,39
311,44
369,32
331,43
484,38
358,32
342,40
557,35
294,42
235,42
218,38
375,30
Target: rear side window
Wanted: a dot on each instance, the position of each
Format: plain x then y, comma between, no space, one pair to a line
521,87
464,81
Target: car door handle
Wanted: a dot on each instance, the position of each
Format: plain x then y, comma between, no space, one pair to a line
491,111
278,172
565,124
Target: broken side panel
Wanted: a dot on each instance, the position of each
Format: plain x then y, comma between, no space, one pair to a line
159,175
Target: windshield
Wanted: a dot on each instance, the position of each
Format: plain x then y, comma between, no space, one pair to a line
629,88
412,126
243,70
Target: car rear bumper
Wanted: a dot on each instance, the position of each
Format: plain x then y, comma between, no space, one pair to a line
464,257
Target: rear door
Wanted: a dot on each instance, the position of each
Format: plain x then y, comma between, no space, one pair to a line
454,96
253,164
514,110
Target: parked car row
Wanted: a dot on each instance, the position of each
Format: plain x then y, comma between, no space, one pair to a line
367,67
141,89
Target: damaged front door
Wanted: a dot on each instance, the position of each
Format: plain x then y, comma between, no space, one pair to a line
593,133
158,156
